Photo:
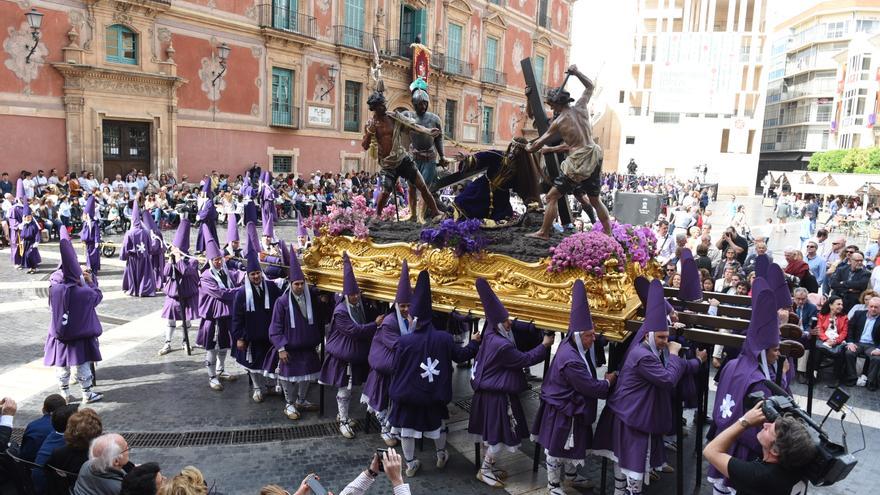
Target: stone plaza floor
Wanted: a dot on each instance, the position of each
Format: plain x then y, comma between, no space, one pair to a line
164,407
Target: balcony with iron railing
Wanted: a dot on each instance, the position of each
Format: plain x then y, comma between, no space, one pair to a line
285,116
455,66
352,38
487,137
493,76
396,48
283,19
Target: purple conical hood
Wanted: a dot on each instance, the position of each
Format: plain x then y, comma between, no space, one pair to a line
231,228
285,253
63,233
580,318
777,283
151,223
495,311
691,288
26,208
69,262
655,314
253,261
642,285
269,228
421,298
19,190
206,187
762,263
295,273
253,240
246,188
404,292
181,237
349,283
135,213
89,209
212,250
763,331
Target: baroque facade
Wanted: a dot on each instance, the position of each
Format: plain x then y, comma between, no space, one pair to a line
189,86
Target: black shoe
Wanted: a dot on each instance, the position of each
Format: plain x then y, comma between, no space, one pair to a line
872,387
850,383
833,384
802,378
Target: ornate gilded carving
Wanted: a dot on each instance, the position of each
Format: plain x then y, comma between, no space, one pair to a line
527,289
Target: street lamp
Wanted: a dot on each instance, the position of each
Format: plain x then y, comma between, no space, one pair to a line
34,20
331,72
223,54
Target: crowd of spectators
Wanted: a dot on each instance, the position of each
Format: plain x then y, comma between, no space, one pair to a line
67,451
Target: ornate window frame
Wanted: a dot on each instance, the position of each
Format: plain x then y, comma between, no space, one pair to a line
119,29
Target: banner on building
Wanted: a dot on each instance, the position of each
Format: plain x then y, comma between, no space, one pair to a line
421,61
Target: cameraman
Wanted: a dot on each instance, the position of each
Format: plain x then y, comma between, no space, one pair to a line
739,244
786,444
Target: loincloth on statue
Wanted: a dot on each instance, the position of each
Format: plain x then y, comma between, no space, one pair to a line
406,169
591,186
580,164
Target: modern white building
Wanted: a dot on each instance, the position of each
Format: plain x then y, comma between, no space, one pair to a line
696,91
806,84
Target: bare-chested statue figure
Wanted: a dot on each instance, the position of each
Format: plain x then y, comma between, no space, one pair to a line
582,169
390,130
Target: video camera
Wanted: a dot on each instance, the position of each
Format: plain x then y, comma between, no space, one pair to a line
832,462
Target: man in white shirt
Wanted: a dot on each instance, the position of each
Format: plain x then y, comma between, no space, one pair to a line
29,185
40,183
665,242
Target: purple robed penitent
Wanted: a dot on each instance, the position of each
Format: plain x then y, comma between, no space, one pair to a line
26,253
421,383
91,236
300,339
570,393
215,298
74,327
639,409
158,253
745,375
347,348
16,214
381,357
252,326
181,280
138,248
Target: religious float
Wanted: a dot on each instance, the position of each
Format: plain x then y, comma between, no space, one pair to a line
533,278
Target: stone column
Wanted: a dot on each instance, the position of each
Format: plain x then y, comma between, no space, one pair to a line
76,128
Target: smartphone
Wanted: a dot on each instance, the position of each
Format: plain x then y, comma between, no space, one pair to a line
380,453
315,486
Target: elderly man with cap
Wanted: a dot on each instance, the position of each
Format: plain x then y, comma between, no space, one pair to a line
74,327
296,331
217,286
497,378
139,278
427,151
745,375
181,288
639,409
27,253
569,398
251,316
421,382
348,346
207,215
582,169
387,130
91,236
381,357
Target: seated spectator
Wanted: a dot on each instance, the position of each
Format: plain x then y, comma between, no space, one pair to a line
676,281
38,429
10,481
760,248
708,285
189,481
667,276
145,479
795,264
863,340
82,427
729,260
743,288
850,279
864,297
108,464
724,283
54,440
832,325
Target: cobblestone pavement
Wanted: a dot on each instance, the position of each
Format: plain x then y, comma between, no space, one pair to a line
147,393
